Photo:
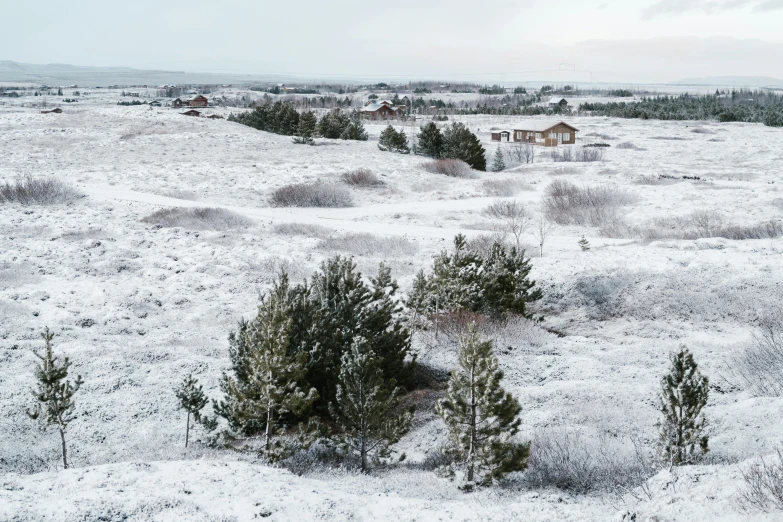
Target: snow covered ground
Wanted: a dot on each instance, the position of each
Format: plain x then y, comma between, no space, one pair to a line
136,307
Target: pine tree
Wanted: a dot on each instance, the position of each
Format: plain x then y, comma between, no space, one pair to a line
584,244
191,399
270,389
498,164
354,131
387,139
684,393
460,143
54,393
430,141
305,130
366,405
482,418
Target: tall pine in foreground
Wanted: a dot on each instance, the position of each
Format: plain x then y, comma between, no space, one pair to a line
460,143
481,416
366,406
191,399
684,393
54,392
268,390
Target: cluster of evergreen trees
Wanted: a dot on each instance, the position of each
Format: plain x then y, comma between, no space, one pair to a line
283,118
329,360
454,142
748,106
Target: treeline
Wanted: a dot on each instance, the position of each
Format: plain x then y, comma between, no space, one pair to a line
283,118
742,105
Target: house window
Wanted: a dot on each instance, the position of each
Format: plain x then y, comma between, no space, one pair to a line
552,135
519,135
566,136
538,135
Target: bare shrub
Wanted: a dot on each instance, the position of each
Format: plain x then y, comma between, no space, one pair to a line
698,225
604,293
567,460
515,218
702,130
301,229
568,204
504,187
363,244
316,194
521,152
197,218
759,366
362,178
763,485
29,190
627,145
453,168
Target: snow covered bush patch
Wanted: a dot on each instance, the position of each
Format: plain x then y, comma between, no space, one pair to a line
30,190
198,218
370,245
506,187
362,178
759,366
453,168
301,229
568,204
318,194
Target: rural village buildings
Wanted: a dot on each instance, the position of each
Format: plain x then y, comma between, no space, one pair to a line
539,132
198,101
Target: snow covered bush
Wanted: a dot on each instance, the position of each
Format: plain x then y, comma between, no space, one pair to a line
318,194
700,224
603,291
453,168
301,229
369,245
763,484
197,218
362,178
504,187
569,460
568,204
759,366
29,190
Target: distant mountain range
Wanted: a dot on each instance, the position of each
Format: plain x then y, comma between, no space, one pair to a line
733,81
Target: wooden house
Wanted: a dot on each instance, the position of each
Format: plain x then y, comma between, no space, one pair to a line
382,110
177,103
192,112
558,102
539,132
198,101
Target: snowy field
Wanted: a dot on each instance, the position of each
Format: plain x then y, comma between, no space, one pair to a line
137,306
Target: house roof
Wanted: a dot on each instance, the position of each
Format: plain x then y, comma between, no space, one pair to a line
539,125
555,99
375,106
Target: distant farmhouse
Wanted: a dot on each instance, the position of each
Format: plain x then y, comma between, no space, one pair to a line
558,102
192,112
198,101
546,133
380,110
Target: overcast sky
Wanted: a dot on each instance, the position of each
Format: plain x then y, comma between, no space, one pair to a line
576,40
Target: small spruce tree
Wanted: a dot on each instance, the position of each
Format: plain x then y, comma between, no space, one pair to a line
305,129
684,393
584,244
54,392
366,406
481,416
191,399
430,141
354,131
460,143
498,164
